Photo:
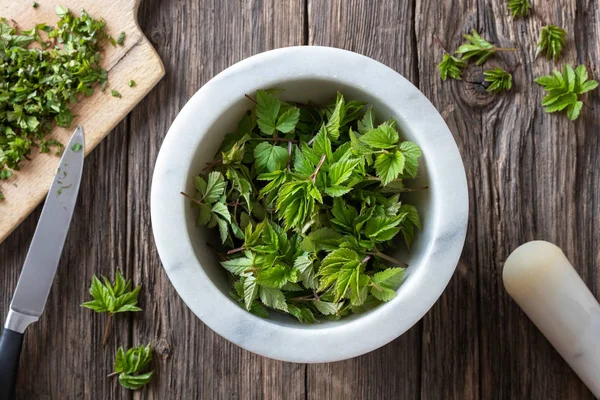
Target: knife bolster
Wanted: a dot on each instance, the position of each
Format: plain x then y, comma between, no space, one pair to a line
18,322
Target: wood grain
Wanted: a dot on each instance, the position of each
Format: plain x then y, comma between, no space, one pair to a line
531,176
99,113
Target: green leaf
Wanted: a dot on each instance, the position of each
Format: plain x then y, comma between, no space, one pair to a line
250,291
287,121
240,265
321,239
341,171
574,109
499,80
270,157
367,122
384,137
333,125
273,298
519,8
61,11
267,110
114,297
322,144
274,277
304,264
344,215
389,165
386,282
131,365
326,308
476,47
451,67
552,41
411,153
215,187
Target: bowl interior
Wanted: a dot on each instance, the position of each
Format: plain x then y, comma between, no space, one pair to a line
322,92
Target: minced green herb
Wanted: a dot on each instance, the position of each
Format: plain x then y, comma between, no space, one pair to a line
39,84
121,38
76,147
115,93
306,200
131,83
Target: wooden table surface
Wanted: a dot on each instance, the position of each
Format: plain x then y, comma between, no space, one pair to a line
531,176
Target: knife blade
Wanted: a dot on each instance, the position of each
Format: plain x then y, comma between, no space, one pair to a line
42,259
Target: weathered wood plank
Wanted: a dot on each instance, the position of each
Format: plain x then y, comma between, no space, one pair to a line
450,332
539,182
61,356
382,30
196,40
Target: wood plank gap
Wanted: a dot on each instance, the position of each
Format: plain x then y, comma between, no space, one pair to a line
306,26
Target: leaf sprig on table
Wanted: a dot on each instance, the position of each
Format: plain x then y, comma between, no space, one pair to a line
499,80
519,8
116,297
451,67
132,366
563,90
478,48
552,41
306,199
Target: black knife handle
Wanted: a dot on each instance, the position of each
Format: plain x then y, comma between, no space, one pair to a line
10,351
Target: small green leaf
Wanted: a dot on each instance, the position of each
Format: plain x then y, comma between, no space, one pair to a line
270,157
267,110
250,291
384,137
273,298
389,165
288,120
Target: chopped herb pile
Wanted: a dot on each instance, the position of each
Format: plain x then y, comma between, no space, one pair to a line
306,199
43,72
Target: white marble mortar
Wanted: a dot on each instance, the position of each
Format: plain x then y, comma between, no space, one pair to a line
308,73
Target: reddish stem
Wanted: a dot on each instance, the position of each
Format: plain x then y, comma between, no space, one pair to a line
313,177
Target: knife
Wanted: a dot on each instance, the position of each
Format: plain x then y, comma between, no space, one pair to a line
42,259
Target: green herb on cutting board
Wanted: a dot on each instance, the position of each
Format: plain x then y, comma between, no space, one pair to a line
116,297
563,90
39,83
306,199
131,83
35,4
131,366
115,93
121,39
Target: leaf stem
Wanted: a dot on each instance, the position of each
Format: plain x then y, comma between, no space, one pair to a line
313,177
364,260
387,258
106,329
237,250
112,374
251,99
289,155
212,164
192,198
304,298
376,286
439,43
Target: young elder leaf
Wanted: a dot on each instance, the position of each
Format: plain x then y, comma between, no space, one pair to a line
411,153
451,67
321,239
240,265
273,298
552,41
270,157
304,264
519,8
250,291
287,121
267,110
389,165
383,137
215,187
275,277
335,120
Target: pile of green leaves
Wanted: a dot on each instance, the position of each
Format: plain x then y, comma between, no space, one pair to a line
307,199
43,71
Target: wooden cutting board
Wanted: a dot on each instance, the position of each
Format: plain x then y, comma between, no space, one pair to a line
98,114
